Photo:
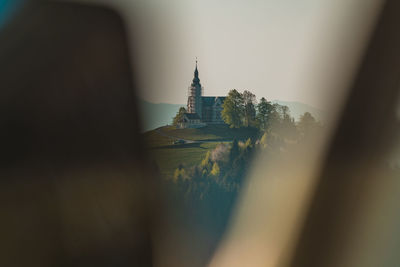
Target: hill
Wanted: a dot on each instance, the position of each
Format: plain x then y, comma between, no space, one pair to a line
159,114
169,156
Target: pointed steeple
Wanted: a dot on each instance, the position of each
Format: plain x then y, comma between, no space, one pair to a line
195,95
196,79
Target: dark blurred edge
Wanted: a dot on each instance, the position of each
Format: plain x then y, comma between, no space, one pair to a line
67,66
366,132
68,107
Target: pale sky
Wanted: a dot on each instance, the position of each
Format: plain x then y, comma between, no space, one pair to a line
288,50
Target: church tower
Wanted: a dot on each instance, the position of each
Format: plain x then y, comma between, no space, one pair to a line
195,92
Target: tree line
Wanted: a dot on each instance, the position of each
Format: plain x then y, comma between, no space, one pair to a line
242,110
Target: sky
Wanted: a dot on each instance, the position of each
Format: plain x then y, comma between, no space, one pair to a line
288,50
278,49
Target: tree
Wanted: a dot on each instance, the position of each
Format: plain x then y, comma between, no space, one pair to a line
206,161
179,174
215,170
233,109
264,109
179,116
285,113
264,141
288,126
248,143
249,102
307,124
273,118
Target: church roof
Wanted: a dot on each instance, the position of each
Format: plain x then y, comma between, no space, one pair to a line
210,100
192,116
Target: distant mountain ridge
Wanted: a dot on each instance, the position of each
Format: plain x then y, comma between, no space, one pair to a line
297,109
155,115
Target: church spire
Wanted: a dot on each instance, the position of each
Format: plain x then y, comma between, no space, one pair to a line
195,94
196,79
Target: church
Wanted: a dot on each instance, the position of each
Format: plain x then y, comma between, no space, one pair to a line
201,110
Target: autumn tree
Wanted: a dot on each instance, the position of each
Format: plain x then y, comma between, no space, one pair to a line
264,141
215,170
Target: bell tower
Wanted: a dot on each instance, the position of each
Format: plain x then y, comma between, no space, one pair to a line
195,93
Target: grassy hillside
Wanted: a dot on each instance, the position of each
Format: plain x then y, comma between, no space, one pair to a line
209,133
168,156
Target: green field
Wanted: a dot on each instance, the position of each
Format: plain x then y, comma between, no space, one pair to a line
211,132
168,156
168,159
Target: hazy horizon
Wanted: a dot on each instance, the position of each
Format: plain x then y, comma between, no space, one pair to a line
287,50
257,100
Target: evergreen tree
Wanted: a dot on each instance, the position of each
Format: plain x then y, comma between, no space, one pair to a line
249,107
264,108
274,118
